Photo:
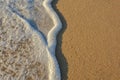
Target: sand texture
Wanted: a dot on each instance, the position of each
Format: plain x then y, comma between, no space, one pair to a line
91,39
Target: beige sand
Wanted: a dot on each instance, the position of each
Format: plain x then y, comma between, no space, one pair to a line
91,42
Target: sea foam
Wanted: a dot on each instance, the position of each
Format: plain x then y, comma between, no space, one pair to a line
51,38
25,52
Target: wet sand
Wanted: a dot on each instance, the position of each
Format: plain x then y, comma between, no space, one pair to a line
89,44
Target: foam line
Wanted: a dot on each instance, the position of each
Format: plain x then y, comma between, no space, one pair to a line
51,38
54,72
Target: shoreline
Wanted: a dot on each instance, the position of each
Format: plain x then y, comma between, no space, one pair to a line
63,63
90,44
54,73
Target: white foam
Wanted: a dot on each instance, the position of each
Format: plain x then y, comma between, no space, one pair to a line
54,72
40,43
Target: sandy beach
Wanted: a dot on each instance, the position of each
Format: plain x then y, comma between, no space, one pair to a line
89,43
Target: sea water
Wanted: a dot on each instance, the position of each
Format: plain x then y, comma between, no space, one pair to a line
28,30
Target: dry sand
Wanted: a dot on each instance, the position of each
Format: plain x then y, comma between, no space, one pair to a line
90,48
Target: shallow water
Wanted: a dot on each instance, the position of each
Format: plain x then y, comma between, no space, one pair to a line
24,51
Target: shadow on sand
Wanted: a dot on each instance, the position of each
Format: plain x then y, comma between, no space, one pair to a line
60,57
